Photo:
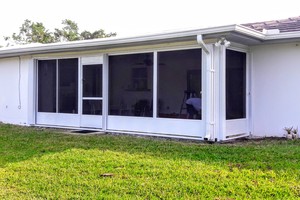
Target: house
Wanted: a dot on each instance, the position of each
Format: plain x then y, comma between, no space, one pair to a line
246,79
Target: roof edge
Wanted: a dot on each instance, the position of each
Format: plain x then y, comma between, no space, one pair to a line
140,40
48,48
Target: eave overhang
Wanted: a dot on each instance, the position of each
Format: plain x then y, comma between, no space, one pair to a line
235,33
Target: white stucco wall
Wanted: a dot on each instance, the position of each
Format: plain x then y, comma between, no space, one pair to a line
275,89
14,90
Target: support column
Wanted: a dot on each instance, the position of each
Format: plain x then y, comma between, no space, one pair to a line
105,92
220,65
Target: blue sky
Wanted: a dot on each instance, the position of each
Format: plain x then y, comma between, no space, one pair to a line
136,17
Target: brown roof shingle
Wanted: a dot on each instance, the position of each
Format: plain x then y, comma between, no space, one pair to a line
285,25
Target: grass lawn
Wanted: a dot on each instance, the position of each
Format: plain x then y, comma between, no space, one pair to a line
44,164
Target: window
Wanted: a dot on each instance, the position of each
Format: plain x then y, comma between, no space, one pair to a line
47,86
235,84
130,84
68,86
58,85
179,84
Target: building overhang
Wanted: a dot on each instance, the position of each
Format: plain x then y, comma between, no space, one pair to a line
235,33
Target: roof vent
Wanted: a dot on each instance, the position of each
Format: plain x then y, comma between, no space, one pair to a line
271,31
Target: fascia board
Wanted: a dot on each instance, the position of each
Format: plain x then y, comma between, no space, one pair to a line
106,42
289,35
140,40
250,32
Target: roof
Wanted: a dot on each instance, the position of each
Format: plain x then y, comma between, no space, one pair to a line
247,34
117,42
284,25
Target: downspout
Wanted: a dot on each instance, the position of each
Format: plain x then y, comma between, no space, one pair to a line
209,92
202,44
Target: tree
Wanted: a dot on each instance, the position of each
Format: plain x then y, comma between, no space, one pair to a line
31,32
68,33
35,32
86,35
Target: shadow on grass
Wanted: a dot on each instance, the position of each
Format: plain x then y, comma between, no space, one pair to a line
22,143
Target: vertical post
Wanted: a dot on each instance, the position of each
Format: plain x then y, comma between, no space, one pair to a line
57,86
155,84
32,91
105,81
249,92
208,94
80,96
222,92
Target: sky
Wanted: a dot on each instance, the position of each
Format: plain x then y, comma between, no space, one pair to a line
138,17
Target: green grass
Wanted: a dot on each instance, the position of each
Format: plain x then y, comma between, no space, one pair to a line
45,164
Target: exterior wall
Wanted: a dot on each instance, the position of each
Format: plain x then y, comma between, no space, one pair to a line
14,86
275,89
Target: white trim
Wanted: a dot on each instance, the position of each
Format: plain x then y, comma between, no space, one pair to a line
250,32
288,35
155,84
79,88
56,87
122,132
251,106
222,92
240,125
208,94
36,91
248,90
92,98
152,50
105,88
92,121
129,52
202,44
172,126
179,48
105,43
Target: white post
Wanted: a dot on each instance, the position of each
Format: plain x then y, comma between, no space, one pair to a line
155,79
32,92
222,92
209,94
105,92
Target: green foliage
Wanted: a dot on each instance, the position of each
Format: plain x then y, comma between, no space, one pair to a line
32,32
86,35
44,164
68,33
35,32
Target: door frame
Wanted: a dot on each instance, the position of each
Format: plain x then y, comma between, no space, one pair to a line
91,121
66,119
241,126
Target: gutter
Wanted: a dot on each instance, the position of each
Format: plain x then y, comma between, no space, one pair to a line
202,44
250,32
266,37
287,35
111,42
142,40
